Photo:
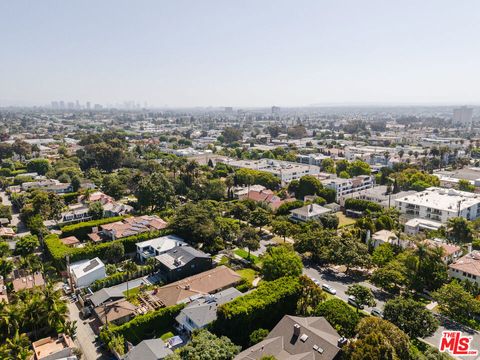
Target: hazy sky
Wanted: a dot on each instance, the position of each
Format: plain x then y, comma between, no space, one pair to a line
240,53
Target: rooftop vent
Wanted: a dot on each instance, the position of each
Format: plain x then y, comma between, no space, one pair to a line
303,338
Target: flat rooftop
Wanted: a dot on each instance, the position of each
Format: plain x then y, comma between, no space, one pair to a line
442,199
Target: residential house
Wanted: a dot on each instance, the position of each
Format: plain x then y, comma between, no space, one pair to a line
153,247
241,191
7,232
51,348
151,349
203,311
387,236
309,212
71,241
416,225
128,227
25,282
85,272
116,312
193,287
265,196
105,295
111,207
76,213
466,268
299,338
451,252
182,261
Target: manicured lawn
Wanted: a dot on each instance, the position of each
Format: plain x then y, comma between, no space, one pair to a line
244,254
247,274
225,261
344,220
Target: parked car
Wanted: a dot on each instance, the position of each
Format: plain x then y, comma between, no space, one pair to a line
66,289
329,289
315,281
377,312
352,301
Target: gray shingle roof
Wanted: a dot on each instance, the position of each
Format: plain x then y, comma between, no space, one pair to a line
203,311
153,349
179,256
321,341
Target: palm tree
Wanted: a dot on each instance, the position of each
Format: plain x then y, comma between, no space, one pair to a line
130,267
16,347
8,319
6,267
70,328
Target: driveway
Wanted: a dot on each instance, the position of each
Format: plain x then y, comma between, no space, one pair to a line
341,282
86,339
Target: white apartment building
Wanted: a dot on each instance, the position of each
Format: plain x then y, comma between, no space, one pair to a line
377,194
343,187
440,204
286,171
312,159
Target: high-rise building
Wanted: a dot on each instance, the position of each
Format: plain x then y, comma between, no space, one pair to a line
88,105
462,115
275,109
62,104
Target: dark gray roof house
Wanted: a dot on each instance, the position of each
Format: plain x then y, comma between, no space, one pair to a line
297,338
183,261
201,312
153,349
106,294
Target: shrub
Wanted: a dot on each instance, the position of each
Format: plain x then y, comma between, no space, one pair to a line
262,308
340,315
70,197
150,325
285,208
362,205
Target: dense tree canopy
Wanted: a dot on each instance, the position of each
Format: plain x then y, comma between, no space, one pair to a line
281,261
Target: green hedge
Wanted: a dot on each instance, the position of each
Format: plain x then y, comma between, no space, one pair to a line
57,251
362,205
147,326
70,197
81,230
262,308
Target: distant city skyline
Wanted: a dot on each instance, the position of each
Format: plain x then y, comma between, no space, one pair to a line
248,54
